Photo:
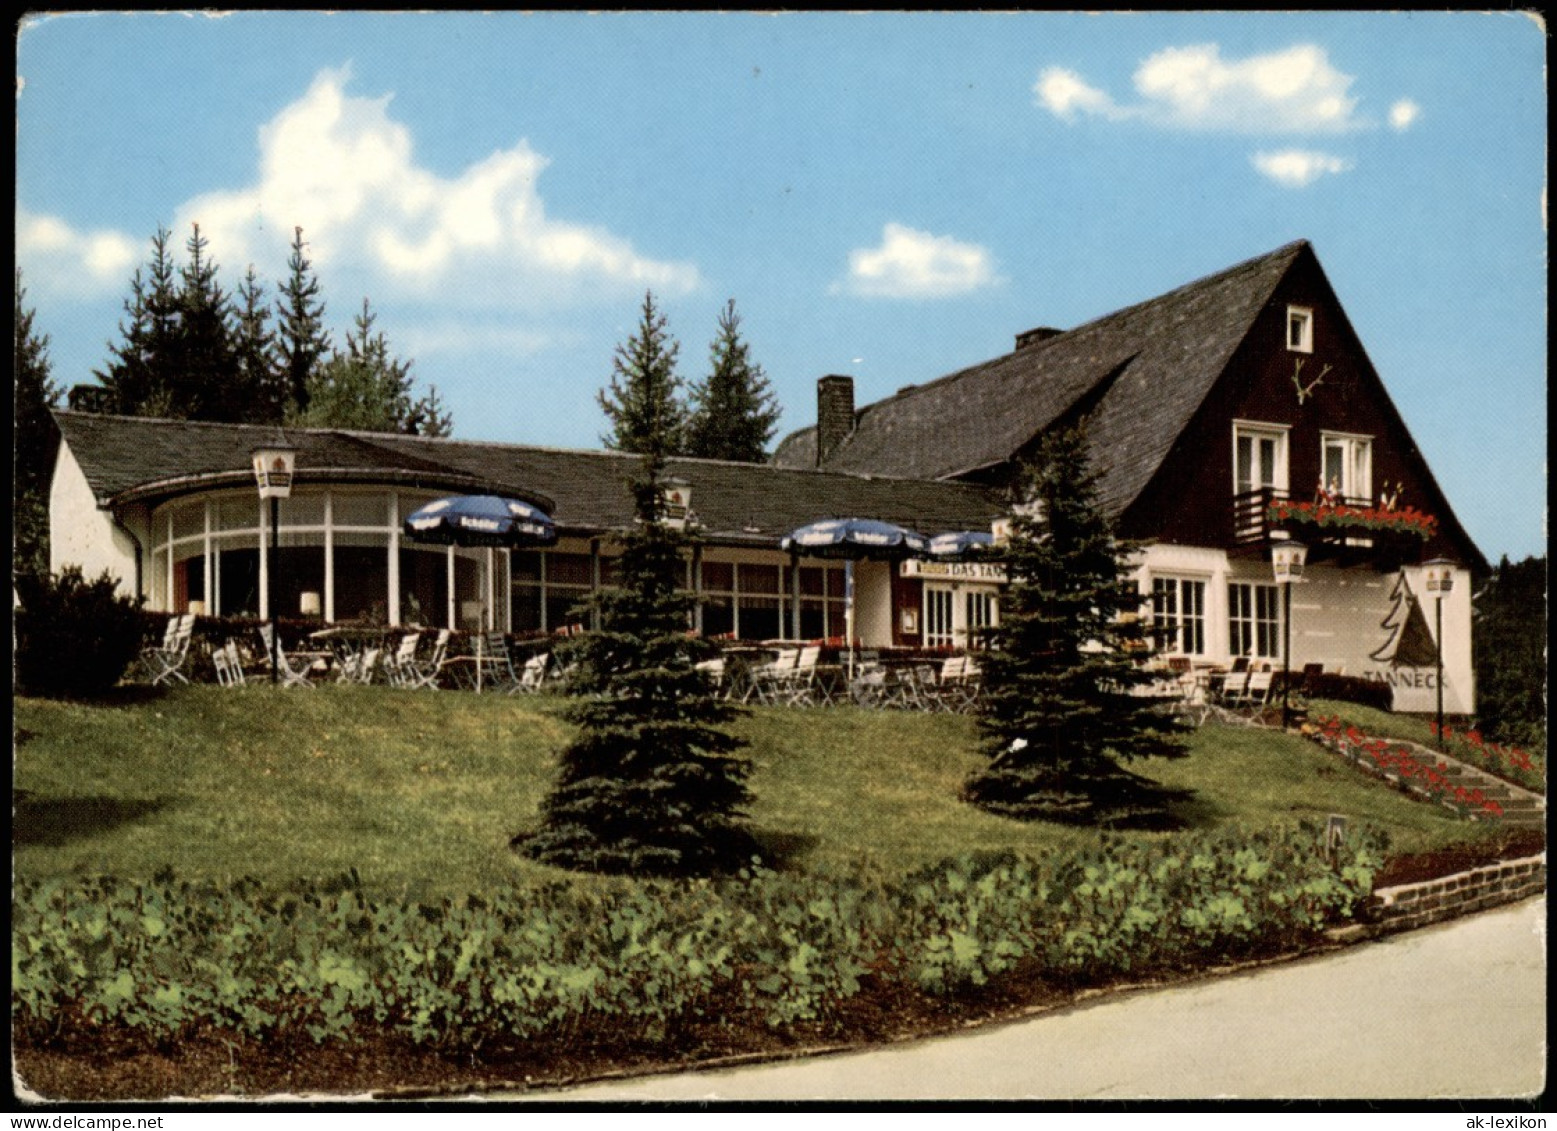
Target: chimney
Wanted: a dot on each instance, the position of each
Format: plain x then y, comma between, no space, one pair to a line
1035,335
834,414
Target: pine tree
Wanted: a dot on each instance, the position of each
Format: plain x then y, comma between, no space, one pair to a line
202,371
651,785
734,412
34,394
137,376
1057,715
642,401
1511,653
258,384
302,343
368,388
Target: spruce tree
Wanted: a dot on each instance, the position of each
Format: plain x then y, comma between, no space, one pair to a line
202,373
651,784
258,384
34,394
1057,716
368,388
643,399
301,341
137,377
734,412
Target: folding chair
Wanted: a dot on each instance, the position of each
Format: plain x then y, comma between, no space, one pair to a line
229,664
796,686
1235,687
287,675
533,674
398,665
495,666
715,671
768,679
166,662
1258,690
416,673
869,688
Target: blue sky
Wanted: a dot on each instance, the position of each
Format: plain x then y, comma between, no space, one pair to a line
891,196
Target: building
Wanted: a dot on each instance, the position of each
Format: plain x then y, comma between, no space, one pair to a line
1220,416
171,508
1224,417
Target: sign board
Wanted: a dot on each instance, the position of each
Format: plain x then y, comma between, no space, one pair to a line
987,572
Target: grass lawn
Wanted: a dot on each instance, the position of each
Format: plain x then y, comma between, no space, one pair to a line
421,792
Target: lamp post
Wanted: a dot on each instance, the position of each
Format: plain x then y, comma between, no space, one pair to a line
273,468
1286,563
1440,580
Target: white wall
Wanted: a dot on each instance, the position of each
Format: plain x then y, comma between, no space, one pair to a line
81,533
873,603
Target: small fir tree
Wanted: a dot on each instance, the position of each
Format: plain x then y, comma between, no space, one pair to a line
734,412
1510,649
652,784
137,376
34,394
202,375
368,388
259,385
643,399
1057,716
302,343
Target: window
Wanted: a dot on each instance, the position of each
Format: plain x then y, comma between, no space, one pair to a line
1300,329
953,620
1348,467
756,601
1259,458
1179,609
1251,619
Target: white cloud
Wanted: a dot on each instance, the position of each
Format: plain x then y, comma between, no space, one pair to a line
1296,168
62,261
1064,93
915,264
1290,91
1403,114
343,169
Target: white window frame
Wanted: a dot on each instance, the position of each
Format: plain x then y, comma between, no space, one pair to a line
1251,630
1255,431
1187,635
952,613
1300,329
1356,464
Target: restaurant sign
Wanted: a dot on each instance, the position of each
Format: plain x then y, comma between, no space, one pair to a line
987,572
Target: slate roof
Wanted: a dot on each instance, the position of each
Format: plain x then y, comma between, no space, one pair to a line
137,459
1149,366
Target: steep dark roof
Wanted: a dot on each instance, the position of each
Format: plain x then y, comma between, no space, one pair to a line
1149,367
128,459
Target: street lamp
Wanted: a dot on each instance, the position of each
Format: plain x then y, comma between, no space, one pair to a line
273,468
1440,580
1286,563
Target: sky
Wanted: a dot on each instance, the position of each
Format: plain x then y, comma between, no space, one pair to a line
891,196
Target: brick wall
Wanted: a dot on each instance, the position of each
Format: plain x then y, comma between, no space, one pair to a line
1416,905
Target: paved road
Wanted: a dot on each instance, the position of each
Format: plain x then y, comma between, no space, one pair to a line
1457,1010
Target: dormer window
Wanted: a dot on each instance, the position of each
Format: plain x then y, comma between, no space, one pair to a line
1300,329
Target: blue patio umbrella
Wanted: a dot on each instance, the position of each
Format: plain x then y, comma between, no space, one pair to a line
962,544
481,520
853,539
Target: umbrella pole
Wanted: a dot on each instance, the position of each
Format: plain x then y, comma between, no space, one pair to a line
848,611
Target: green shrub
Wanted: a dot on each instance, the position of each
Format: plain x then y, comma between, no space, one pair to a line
639,960
74,638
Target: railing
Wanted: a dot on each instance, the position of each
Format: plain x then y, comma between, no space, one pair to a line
1252,525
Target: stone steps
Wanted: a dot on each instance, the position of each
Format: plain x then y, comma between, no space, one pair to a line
1521,807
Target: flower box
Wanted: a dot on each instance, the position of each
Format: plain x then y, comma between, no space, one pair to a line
1343,516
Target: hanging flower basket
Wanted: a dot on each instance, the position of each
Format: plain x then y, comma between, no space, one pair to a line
1339,516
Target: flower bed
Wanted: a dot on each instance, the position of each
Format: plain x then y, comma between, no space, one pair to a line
1404,766
1505,761
1407,520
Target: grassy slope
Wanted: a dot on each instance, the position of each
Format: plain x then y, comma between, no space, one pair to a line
422,792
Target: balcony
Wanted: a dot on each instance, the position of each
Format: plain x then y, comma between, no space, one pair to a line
1349,531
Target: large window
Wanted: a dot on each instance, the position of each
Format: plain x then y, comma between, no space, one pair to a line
755,601
1251,617
1348,466
1179,611
548,587
953,619
1259,458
